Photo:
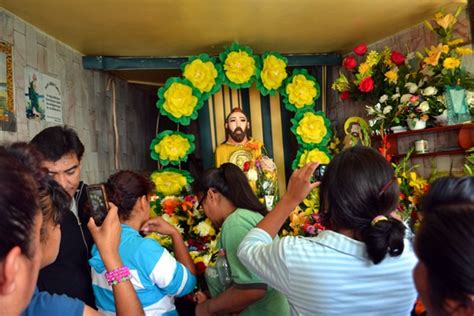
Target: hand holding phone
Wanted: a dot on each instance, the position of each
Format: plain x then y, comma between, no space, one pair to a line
319,172
98,202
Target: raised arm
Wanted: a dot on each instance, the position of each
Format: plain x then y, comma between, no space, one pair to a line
181,253
299,187
107,240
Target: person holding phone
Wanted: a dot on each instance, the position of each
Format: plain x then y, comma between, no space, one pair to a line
157,276
62,152
361,264
30,241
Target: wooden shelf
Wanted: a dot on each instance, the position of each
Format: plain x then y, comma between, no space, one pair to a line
438,129
443,140
432,153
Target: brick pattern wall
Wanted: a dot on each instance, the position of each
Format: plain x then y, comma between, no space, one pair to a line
87,105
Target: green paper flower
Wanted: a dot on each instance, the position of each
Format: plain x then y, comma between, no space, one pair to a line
170,147
272,73
171,181
179,100
311,128
204,73
240,66
300,91
306,155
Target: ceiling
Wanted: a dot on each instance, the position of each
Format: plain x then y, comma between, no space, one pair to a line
165,28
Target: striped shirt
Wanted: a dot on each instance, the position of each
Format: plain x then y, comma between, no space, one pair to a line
156,275
330,274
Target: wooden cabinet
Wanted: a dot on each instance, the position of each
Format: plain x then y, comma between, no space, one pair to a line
445,140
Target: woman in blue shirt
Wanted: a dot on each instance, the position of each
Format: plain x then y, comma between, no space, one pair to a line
156,275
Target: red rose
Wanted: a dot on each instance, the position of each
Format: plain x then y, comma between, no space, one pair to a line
397,58
349,62
360,49
366,85
246,166
344,95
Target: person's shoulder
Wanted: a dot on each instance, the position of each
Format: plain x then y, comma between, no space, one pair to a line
46,304
244,217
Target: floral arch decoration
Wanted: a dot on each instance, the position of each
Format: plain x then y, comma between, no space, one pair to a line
180,99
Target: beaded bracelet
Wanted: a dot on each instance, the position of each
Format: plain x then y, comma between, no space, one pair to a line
118,275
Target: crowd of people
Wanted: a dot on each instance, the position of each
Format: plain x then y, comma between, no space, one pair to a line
55,260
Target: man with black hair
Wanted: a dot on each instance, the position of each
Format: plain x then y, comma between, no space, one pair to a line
70,273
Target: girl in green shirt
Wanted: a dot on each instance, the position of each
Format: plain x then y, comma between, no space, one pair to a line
229,202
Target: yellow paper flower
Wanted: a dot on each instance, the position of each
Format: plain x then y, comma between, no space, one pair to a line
446,21
301,91
451,63
239,67
314,155
392,76
172,147
311,128
463,50
273,72
168,183
204,228
201,74
179,100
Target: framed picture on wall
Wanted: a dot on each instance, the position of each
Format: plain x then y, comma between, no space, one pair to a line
7,109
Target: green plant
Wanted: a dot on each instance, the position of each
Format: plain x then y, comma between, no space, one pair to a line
469,165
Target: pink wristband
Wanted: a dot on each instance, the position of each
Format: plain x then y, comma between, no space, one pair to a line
118,275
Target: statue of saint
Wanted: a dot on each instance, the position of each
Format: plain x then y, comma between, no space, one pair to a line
238,148
356,130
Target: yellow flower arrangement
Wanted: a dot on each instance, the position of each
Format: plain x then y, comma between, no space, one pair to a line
179,100
312,128
301,91
173,147
273,72
201,74
239,67
391,76
169,182
204,228
451,63
445,21
311,155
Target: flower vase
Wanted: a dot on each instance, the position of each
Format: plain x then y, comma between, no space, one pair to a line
415,124
442,119
458,110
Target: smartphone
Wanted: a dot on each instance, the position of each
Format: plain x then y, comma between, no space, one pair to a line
98,202
319,172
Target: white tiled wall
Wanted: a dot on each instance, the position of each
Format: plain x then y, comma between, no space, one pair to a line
86,103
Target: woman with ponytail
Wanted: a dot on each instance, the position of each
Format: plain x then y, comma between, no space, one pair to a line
361,264
229,202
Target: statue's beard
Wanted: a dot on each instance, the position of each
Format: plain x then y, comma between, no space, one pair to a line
238,135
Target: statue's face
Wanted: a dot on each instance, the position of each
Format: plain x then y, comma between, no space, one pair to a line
237,125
